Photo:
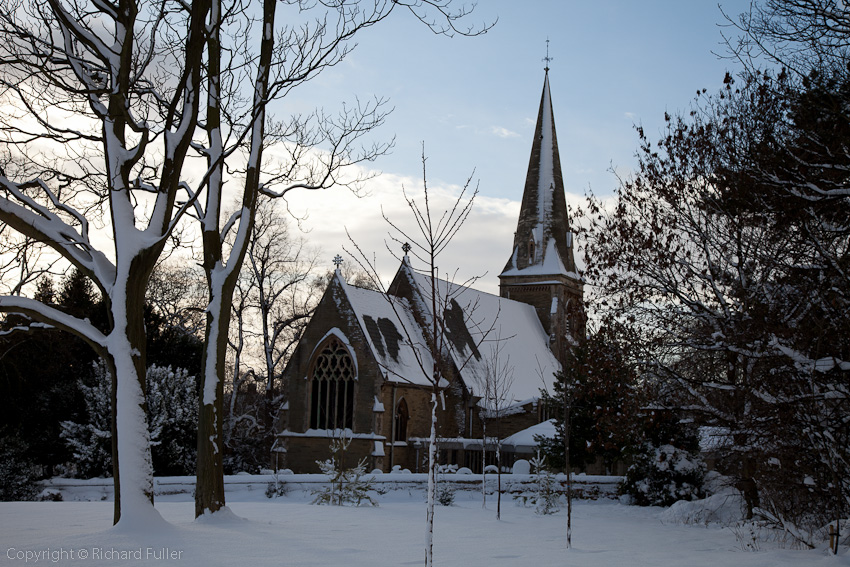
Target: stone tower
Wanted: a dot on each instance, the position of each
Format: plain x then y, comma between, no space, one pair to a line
541,270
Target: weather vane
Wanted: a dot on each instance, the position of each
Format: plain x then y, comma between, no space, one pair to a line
337,261
547,59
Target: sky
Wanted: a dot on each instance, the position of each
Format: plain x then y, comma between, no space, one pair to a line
472,102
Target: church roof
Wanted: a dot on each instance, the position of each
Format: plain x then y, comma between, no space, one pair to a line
487,332
396,341
543,242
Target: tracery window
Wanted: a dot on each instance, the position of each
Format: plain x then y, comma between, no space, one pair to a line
332,387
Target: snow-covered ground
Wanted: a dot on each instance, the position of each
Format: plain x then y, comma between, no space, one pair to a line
289,531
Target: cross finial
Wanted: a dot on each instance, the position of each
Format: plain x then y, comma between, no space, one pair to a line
337,261
547,59
406,248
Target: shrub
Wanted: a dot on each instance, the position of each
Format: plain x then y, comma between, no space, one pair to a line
445,495
660,476
18,475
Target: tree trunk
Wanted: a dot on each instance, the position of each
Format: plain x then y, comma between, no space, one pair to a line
432,484
209,487
132,466
484,464
499,479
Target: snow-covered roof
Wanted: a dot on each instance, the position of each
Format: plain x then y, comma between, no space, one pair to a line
525,438
392,333
551,264
487,332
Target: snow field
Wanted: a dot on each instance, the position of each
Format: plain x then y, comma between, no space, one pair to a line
289,531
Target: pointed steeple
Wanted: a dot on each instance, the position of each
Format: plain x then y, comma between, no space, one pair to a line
543,242
542,270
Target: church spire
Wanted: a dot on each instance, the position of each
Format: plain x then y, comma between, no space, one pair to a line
542,270
543,242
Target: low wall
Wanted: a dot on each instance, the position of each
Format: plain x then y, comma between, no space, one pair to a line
584,486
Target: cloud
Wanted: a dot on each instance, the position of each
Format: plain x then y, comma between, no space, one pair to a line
503,132
482,246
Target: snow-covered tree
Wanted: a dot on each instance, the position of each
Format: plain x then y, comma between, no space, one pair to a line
252,62
18,473
40,396
346,485
172,418
91,440
727,252
100,105
102,108
660,476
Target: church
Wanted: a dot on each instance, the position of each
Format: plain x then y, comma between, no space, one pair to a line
362,366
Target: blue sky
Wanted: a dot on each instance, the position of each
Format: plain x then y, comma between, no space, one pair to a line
473,101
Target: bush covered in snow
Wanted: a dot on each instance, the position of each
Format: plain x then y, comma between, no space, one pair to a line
347,486
91,442
18,475
172,420
545,499
659,476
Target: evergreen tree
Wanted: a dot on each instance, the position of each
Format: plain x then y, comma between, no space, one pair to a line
18,473
599,384
90,440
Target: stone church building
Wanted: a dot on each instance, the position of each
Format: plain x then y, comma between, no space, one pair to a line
363,363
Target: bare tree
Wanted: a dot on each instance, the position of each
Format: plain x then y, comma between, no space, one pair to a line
176,292
104,106
435,230
280,270
100,104
273,60
274,298
496,397
284,57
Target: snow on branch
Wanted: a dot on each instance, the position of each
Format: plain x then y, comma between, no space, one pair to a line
54,317
37,222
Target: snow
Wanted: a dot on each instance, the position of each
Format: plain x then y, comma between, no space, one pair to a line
525,438
287,530
403,365
512,325
724,508
550,265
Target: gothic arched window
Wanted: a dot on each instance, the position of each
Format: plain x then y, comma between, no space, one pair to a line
401,418
531,250
332,387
